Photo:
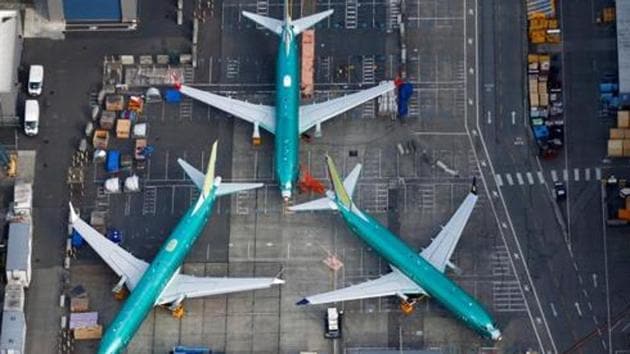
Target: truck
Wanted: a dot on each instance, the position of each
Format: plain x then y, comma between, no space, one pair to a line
333,323
308,57
18,263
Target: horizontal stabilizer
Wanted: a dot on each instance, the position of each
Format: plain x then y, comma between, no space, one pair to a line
269,23
309,21
224,188
317,204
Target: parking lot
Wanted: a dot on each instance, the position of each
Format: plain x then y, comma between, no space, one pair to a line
251,234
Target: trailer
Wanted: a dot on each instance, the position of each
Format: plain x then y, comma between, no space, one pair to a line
18,263
13,333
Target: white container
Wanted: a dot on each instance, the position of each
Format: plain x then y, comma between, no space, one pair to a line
18,266
13,333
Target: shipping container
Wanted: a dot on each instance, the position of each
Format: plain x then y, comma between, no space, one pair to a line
616,133
79,304
22,198
13,333
615,148
83,319
18,266
623,119
308,58
88,333
14,297
626,147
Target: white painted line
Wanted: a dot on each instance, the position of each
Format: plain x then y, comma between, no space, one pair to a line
530,178
598,173
565,175
587,174
590,306
595,280
519,178
554,175
580,280
595,320
541,177
499,180
576,174
509,179
553,309
577,308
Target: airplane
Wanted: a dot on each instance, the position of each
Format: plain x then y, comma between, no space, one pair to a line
413,275
160,283
287,120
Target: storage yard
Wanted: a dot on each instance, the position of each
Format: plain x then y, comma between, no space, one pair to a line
479,101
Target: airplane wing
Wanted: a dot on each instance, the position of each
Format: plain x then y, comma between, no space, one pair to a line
394,283
188,286
312,114
259,114
441,248
326,203
121,261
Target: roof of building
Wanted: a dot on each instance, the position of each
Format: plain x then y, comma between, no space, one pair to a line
8,42
623,45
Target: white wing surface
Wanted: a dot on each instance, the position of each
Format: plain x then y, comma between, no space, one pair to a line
315,113
259,114
224,188
188,286
441,248
121,261
394,283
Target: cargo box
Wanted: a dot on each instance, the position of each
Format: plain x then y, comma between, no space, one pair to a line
114,103
87,333
626,147
79,304
544,99
107,120
123,127
533,100
616,133
623,214
623,119
615,148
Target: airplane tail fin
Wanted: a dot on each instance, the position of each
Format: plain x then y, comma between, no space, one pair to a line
200,180
307,22
275,25
209,182
338,187
326,203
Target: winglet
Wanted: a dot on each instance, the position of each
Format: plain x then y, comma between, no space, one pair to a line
473,188
277,281
338,188
304,301
73,214
209,180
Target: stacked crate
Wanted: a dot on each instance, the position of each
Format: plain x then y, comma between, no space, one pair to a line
619,140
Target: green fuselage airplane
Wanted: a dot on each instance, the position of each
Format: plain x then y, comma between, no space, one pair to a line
287,120
160,283
412,274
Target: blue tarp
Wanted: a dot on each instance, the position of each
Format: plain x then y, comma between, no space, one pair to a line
404,94
92,10
112,164
76,239
173,96
541,132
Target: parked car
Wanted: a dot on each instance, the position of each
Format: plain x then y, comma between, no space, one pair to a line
31,117
333,323
559,191
35,80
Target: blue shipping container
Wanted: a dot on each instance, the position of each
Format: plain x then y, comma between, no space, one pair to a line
404,94
112,165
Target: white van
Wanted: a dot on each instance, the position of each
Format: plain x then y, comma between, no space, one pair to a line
31,117
35,80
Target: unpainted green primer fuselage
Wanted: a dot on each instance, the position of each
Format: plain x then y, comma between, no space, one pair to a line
287,112
420,271
155,279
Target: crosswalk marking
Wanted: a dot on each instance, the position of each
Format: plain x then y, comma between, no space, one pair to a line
499,180
540,177
530,178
